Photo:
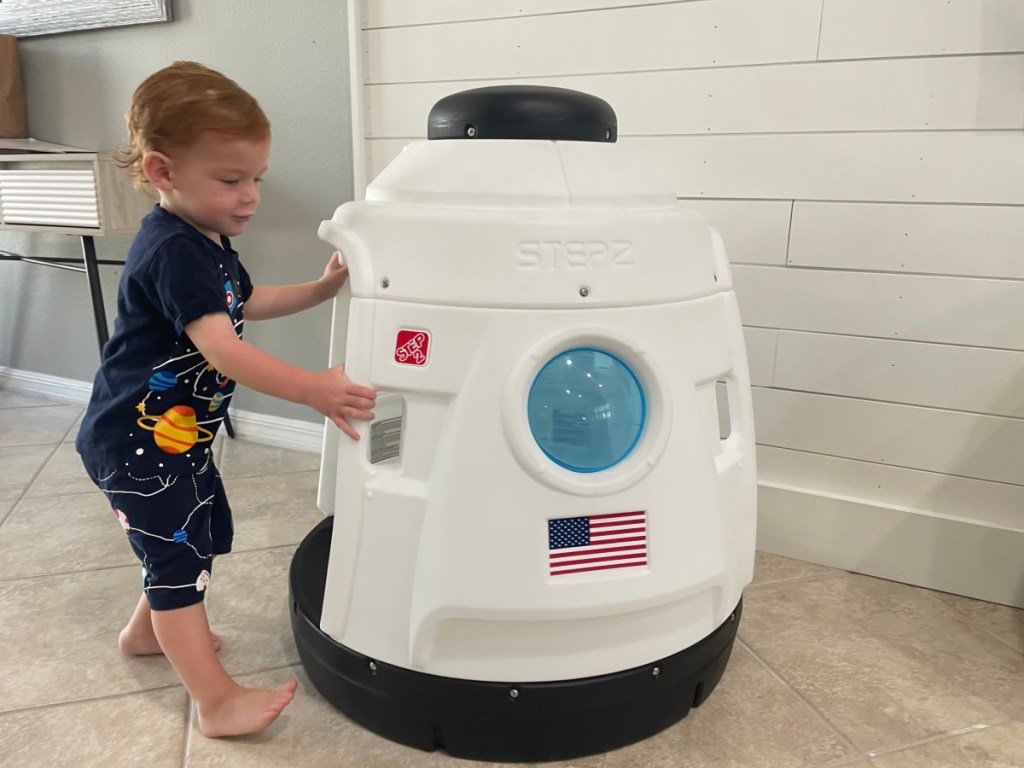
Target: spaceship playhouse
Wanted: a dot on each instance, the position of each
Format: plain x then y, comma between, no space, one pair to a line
540,549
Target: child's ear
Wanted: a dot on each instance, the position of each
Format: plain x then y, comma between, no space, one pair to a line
158,169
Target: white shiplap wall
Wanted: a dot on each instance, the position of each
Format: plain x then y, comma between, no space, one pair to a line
864,162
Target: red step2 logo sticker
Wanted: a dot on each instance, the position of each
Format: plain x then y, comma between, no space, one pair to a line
412,347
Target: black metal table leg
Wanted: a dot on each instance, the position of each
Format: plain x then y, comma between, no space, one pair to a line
92,273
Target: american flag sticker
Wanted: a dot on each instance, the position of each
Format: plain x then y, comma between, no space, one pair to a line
597,542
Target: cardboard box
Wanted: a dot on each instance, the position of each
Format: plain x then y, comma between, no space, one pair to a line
13,123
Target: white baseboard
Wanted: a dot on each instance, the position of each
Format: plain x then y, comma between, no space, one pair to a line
279,432
29,382
910,546
256,427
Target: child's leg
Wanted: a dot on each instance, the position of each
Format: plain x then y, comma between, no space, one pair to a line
175,525
175,529
138,638
225,708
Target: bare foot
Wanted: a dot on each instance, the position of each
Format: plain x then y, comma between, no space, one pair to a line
244,710
136,642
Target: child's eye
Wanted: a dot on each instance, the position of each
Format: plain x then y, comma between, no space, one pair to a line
229,182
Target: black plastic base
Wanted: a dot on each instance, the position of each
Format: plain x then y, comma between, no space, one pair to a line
496,721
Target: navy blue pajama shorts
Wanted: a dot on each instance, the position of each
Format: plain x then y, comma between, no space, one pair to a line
175,524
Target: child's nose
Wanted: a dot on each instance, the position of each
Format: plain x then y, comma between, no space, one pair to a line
251,192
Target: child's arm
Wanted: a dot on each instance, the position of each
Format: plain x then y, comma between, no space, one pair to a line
269,301
330,392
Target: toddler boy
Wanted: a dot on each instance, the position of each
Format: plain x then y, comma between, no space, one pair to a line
170,367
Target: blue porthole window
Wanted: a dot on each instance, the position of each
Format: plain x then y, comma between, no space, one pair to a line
586,409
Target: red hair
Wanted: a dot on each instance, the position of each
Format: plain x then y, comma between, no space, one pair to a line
176,105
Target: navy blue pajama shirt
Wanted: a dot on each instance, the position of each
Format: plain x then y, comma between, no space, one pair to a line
157,404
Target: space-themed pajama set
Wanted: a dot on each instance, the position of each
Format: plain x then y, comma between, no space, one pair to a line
157,403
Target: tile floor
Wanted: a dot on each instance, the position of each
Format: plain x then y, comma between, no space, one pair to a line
831,669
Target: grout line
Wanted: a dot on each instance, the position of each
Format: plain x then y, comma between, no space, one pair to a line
260,549
87,699
972,621
806,702
949,735
857,761
46,461
232,475
35,476
799,579
42,466
95,569
266,670
135,564
187,740
939,737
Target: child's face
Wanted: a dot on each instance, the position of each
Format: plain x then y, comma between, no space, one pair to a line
214,184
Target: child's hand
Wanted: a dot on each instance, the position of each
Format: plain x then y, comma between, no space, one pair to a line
334,276
335,396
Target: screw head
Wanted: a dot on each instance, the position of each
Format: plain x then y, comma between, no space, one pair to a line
385,283
584,291
656,672
471,131
513,693
373,666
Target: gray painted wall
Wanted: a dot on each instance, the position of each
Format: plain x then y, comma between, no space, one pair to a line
293,57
